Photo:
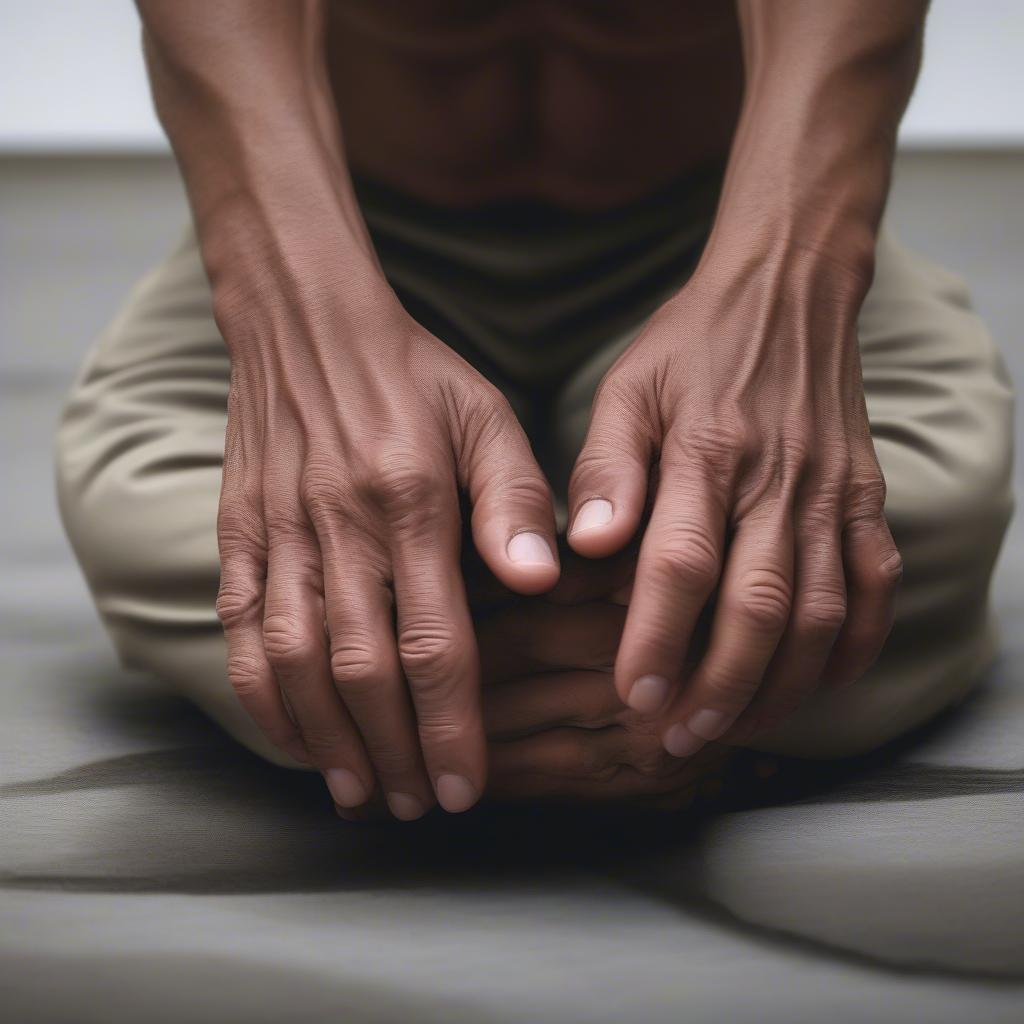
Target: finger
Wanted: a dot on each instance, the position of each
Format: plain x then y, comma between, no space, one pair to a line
580,765
538,637
539,703
296,647
513,517
609,482
565,754
437,646
367,674
240,609
751,614
873,572
679,565
819,609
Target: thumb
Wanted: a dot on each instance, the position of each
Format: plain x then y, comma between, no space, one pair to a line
609,482
513,513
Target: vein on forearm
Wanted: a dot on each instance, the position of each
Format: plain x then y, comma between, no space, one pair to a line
826,86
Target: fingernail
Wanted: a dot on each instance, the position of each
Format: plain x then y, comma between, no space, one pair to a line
405,807
593,513
455,793
648,694
345,787
708,724
530,549
680,742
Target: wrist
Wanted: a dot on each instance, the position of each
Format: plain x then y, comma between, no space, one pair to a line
821,258
290,285
841,233
289,238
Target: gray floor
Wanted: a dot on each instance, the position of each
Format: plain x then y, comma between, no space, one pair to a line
73,236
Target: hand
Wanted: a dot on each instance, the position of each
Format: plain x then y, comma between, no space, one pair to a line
350,643
745,390
557,729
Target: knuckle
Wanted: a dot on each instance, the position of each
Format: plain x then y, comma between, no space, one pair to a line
525,489
400,486
594,460
821,613
597,467
721,446
237,601
355,669
623,429
688,554
286,533
429,657
616,389
727,689
866,500
764,599
239,528
245,675
320,491
487,415
890,571
287,644
794,449
821,512
837,470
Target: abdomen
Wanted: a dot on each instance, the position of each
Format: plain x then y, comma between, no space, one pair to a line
582,104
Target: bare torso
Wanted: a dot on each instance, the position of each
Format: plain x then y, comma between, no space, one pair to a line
584,103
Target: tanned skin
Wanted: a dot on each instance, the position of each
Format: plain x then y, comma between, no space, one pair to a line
352,431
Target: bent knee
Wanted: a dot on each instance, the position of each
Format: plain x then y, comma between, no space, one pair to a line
139,503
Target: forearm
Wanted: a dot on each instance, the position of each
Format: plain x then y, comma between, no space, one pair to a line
827,84
241,89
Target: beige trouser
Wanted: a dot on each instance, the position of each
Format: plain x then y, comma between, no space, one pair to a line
542,302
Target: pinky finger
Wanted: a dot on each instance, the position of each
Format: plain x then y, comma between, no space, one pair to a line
240,610
873,569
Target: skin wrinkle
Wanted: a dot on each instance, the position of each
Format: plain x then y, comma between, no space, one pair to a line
730,438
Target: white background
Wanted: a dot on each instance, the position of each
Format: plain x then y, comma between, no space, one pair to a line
71,77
